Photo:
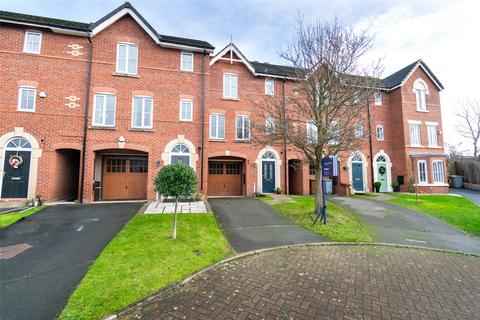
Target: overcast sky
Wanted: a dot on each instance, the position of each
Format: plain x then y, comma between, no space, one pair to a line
445,34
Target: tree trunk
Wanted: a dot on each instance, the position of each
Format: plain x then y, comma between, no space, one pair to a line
318,188
174,233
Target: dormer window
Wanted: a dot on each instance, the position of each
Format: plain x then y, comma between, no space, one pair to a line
269,87
33,42
420,90
127,58
186,63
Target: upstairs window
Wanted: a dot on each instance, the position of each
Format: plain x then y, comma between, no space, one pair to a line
33,42
104,110
243,128
414,134
186,110
186,61
142,112
230,85
432,135
269,87
127,58
270,125
217,126
420,90
380,132
358,131
377,96
26,99
312,132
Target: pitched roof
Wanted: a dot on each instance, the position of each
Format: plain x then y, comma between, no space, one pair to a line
274,69
102,23
397,79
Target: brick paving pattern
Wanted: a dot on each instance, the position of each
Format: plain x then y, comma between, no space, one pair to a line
327,282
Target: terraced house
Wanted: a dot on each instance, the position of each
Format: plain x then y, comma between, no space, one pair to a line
92,111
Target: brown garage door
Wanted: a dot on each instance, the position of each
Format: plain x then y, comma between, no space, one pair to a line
124,178
224,178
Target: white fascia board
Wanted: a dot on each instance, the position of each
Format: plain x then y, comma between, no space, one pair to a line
232,47
105,24
183,47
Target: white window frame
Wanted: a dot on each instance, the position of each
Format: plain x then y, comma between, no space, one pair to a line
231,96
312,132
270,125
27,33
377,97
358,131
420,95
94,123
270,84
180,116
424,162
181,60
382,138
439,164
216,136
127,44
20,91
243,138
142,126
432,136
417,124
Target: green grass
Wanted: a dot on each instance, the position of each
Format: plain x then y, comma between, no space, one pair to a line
7,219
142,259
457,211
341,224
265,197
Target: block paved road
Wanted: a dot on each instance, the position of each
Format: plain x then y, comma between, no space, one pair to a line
64,240
396,224
326,282
251,224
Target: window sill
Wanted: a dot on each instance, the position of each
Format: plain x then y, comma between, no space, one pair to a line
126,75
230,99
102,128
33,53
242,141
380,139
21,110
416,146
142,129
183,120
216,140
426,111
187,71
434,147
435,184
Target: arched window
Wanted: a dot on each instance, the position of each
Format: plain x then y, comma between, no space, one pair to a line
381,159
18,143
268,156
180,154
420,90
357,158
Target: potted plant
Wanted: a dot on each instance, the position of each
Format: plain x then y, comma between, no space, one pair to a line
396,186
278,190
377,186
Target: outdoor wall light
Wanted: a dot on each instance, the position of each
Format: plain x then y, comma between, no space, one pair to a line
42,94
121,142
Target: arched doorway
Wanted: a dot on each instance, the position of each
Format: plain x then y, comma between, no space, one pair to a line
180,154
268,172
382,172
16,168
357,172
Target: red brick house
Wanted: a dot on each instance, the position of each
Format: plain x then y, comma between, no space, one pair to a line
92,111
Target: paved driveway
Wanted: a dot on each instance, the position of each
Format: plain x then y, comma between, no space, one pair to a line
472,195
251,224
326,282
59,244
395,224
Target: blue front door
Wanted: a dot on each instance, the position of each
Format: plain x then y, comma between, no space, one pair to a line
357,176
268,176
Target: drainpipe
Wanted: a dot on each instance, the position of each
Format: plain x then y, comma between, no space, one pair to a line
202,119
370,143
85,119
285,161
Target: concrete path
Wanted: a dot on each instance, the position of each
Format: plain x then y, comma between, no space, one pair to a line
45,256
471,195
326,282
251,224
395,224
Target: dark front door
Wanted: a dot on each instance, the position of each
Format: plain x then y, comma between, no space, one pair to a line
357,176
15,179
268,176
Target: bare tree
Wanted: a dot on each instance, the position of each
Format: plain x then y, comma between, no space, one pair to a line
469,123
329,99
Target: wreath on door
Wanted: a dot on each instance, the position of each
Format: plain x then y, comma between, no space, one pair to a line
382,170
15,161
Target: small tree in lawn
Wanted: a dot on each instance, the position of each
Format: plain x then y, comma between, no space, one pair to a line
175,180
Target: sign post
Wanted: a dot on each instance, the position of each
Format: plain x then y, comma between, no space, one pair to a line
329,169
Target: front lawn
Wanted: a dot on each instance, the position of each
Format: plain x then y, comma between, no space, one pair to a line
341,225
142,259
457,211
7,219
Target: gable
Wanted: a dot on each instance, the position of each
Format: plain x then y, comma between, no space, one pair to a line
232,54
